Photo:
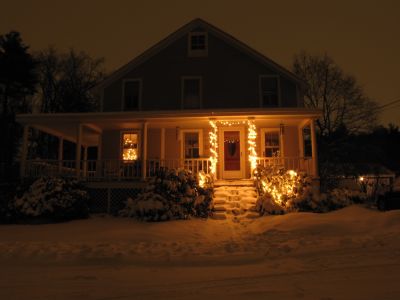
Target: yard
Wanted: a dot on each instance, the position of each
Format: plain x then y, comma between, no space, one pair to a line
353,253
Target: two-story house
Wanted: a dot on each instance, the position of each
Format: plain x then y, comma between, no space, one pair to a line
199,99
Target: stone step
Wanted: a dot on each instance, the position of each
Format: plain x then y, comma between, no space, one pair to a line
239,182
249,197
221,193
219,208
233,198
218,201
248,194
218,216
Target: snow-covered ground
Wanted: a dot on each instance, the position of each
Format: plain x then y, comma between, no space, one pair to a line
353,253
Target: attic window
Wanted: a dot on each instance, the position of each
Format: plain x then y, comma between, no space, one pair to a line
198,44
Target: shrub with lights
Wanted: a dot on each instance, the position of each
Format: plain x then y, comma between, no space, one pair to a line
284,191
172,194
280,190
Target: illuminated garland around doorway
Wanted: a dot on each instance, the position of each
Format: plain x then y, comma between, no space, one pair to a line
213,135
251,140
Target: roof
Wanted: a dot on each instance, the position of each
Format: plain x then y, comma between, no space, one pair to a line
172,114
193,25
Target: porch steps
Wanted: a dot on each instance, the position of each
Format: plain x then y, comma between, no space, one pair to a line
235,199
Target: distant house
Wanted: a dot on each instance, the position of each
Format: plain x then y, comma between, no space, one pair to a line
199,99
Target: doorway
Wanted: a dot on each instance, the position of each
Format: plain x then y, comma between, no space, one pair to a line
232,152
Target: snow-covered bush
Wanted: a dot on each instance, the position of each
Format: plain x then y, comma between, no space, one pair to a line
280,189
51,198
284,191
173,194
339,198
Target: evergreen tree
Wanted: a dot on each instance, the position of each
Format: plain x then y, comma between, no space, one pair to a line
17,82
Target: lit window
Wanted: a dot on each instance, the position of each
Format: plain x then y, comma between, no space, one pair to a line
192,146
131,95
129,146
271,143
191,93
307,141
197,44
269,91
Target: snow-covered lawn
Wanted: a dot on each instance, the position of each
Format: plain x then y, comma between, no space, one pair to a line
353,253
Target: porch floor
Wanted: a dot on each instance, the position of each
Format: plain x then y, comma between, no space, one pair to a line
234,182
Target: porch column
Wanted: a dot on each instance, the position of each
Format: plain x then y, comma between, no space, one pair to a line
99,163
144,150
85,152
24,151
162,146
78,150
314,149
60,153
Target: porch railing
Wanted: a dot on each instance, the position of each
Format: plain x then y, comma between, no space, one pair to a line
299,164
110,169
114,169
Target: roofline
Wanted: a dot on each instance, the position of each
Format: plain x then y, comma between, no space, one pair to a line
147,54
175,114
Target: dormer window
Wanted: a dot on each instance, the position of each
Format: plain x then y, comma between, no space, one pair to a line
198,44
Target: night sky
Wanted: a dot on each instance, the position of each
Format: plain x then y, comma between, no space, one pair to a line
362,36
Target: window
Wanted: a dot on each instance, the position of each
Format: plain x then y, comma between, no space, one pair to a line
192,145
269,91
130,146
272,144
131,95
191,92
307,150
197,44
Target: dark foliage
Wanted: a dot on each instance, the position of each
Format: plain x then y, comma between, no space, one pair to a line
18,79
353,155
66,81
48,200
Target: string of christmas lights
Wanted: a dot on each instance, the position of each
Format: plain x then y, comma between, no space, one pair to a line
251,140
213,135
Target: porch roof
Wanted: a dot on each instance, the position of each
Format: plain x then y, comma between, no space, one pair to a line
65,124
243,113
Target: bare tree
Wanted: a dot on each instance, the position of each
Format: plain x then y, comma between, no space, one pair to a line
67,80
339,96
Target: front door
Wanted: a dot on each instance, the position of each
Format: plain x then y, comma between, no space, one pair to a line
232,152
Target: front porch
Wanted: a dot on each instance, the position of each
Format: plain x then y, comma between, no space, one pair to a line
137,145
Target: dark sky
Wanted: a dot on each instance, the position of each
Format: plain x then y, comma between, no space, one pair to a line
362,36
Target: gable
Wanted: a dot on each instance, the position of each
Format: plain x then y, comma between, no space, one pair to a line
230,73
197,25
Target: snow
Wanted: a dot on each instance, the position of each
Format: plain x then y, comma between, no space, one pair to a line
352,253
